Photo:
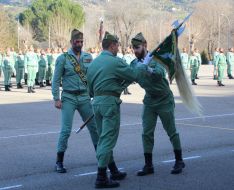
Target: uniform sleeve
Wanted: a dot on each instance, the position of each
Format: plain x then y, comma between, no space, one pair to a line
17,63
216,60
125,72
58,73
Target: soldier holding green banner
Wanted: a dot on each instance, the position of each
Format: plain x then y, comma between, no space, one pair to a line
158,102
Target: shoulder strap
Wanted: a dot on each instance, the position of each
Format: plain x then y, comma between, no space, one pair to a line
77,68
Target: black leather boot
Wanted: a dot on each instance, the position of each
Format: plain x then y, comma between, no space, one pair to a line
33,91
193,82
29,89
115,173
219,83
7,88
41,84
48,83
148,167
179,163
18,85
59,163
102,180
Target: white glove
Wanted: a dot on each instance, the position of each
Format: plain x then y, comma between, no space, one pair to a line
147,59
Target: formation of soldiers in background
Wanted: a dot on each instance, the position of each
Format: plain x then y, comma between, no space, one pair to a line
36,66
221,62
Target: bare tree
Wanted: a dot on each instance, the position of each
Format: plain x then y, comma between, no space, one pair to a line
124,18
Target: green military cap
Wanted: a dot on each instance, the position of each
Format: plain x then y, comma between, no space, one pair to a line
138,39
110,37
76,34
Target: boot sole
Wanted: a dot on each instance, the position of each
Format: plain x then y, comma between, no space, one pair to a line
178,171
119,177
106,186
142,173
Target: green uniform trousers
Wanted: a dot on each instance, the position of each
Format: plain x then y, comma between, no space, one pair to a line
220,72
32,71
42,74
194,72
229,68
48,73
149,117
19,75
7,76
107,117
82,104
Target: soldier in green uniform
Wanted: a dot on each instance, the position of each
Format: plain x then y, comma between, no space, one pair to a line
199,60
108,75
8,67
38,52
48,72
185,59
221,63
194,64
1,62
158,102
128,57
70,69
31,64
54,56
230,62
19,65
215,55
43,67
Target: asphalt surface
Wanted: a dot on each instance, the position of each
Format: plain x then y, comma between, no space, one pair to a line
29,129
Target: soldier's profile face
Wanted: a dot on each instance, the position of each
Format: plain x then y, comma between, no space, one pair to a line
139,51
115,48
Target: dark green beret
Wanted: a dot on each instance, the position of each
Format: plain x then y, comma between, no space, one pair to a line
76,35
110,37
138,39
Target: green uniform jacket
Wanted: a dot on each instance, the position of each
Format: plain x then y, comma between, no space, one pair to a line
185,60
221,60
199,58
193,61
43,62
230,58
64,71
8,63
215,55
19,64
1,61
54,57
109,73
156,86
31,59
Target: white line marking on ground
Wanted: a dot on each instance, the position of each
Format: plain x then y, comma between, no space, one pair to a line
11,187
90,173
203,126
27,135
180,119
187,158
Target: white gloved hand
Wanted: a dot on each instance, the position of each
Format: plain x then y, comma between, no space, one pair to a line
148,58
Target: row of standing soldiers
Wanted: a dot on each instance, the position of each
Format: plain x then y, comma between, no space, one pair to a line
220,62
34,66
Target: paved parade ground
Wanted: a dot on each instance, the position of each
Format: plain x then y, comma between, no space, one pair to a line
29,129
